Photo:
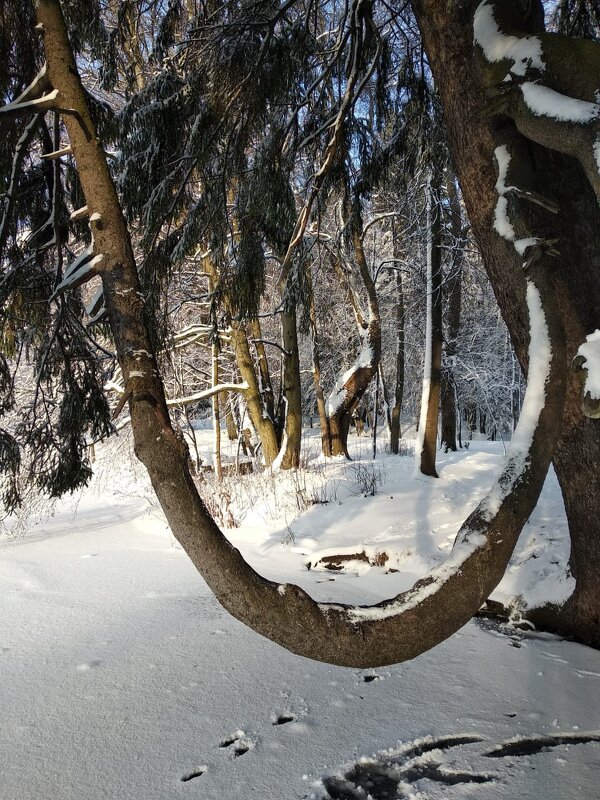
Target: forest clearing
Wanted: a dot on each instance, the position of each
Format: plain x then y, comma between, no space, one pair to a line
299,398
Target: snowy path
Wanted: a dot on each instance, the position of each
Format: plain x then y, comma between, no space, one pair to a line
121,678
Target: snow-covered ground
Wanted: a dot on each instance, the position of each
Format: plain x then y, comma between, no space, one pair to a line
121,677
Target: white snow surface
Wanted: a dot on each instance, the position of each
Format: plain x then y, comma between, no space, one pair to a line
525,52
590,350
122,677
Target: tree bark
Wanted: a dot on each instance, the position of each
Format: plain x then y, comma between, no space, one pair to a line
574,272
266,386
263,425
454,294
289,454
430,401
395,431
319,394
349,391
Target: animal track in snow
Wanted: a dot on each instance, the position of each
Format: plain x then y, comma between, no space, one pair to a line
86,666
241,743
531,745
586,673
390,773
383,777
282,719
195,773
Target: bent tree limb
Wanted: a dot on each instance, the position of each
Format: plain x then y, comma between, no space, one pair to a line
546,83
392,631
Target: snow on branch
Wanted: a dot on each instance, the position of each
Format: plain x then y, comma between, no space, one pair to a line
79,213
197,396
64,151
502,224
45,103
526,77
338,395
79,271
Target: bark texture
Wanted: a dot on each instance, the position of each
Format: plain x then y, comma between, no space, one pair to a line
453,291
430,401
395,429
345,398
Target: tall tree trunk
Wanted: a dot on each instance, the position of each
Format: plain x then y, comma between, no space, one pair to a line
574,271
258,388
319,394
430,401
217,464
454,294
395,431
289,453
264,375
232,431
263,426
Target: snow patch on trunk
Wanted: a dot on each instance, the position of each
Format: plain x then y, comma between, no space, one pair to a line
590,350
502,224
540,356
284,439
525,53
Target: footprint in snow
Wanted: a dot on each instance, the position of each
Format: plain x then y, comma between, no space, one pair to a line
555,658
392,772
283,719
240,742
195,773
370,677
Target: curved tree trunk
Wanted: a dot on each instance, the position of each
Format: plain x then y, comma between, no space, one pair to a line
396,629
558,183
